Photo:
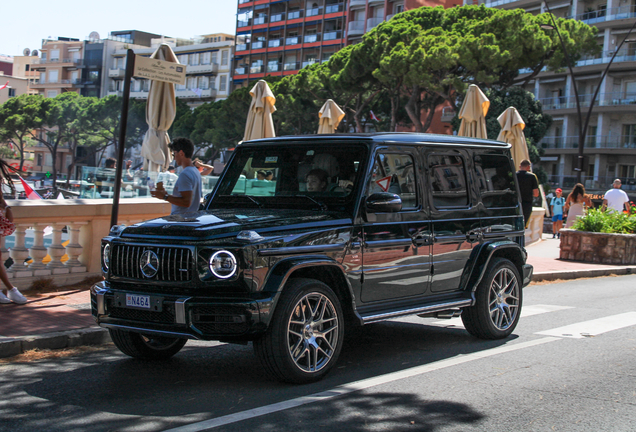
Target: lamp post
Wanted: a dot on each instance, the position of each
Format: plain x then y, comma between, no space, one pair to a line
583,123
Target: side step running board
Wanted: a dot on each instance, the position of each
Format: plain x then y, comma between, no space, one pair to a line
416,311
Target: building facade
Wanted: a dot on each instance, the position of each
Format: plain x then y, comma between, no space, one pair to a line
208,60
610,146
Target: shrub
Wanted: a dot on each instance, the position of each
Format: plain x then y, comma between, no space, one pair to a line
602,221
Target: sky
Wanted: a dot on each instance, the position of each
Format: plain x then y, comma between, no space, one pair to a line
24,25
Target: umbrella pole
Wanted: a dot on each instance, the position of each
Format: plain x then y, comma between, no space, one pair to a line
123,124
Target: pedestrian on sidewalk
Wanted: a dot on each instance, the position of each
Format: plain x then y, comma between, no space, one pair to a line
528,188
7,227
576,203
186,195
556,207
615,199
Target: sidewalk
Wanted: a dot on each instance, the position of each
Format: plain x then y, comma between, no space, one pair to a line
63,319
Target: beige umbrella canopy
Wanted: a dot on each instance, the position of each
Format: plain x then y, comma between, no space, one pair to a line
259,119
512,126
473,114
330,116
161,109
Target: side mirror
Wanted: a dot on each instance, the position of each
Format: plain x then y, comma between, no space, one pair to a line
384,202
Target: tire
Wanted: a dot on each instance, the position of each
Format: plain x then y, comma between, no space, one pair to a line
146,347
498,302
305,336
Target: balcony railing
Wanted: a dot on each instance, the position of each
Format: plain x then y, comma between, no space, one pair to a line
333,8
244,23
372,22
313,12
615,13
356,27
293,40
242,47
332,35
311,38
591,182
596,141
117,73
625,55
309,62
258,45
448,113
240,71
295,14
273,67
353,3
212,67
260,20
291,66
256,69
603,99
274,43
498,2
277,17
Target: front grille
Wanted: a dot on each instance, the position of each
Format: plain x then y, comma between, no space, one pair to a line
220,319
166,316
175,264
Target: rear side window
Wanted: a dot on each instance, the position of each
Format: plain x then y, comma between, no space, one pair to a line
496,181
448,180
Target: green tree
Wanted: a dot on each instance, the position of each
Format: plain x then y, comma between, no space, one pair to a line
19,117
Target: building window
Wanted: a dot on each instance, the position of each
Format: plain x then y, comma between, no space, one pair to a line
205,58
223,84
629,135
55,55
11,92
194,59
51,93
39,162
53,75
214,60
224,58
48,160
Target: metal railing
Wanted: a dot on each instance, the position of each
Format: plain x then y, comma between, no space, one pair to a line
604,99
260,20
311,38
293,40
313,12
596,141
295,14
277,17
331,35
274,43
258,45
590,182
333,8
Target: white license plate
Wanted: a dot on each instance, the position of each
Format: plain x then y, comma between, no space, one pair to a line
140,301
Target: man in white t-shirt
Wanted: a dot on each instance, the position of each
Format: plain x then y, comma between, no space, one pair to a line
616,199
186,195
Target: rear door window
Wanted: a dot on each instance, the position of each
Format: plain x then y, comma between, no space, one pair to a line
447,178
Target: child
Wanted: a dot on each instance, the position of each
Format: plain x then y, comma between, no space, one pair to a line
556,205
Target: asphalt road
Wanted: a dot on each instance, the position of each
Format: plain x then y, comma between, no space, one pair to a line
569,366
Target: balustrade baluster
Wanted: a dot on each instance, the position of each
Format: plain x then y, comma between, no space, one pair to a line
38,252
74,249
56,251
19,253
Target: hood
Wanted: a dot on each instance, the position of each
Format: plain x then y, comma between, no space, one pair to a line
221,222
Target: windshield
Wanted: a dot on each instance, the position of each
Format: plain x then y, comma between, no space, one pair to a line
311,175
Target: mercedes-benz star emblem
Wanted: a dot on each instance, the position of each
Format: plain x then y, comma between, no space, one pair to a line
149,263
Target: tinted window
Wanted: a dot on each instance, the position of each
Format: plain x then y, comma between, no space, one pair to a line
495,178
393,172
448,180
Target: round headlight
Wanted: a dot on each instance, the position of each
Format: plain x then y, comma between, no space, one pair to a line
223,264
106,256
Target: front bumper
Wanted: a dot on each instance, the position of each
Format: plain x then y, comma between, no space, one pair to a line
191,317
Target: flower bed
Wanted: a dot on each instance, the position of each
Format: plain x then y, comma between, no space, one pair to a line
598,247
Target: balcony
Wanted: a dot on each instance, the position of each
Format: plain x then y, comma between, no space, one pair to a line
291,66
496,3
313,12
624,55
208,68
260,20
355,28
372,22
117,73
448,114
257,69
240,71
277,18
258,45
118,93
357,3
198,93
295,14
274,43
293,40
603,99
244,23
309,62
311,38
274,67
333,8
332,35
242,47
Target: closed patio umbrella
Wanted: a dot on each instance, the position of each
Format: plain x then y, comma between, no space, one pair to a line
259,119
512,126
161,109
473,114
330,116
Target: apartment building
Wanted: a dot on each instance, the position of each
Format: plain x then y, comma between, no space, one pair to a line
208,59
610,147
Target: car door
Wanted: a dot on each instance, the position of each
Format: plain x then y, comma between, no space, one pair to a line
454,216
396,246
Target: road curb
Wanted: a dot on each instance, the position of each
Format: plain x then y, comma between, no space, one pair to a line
587,273
10,347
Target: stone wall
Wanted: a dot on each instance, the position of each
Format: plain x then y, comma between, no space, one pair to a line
598,248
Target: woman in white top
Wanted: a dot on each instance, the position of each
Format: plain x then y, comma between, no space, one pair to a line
576,203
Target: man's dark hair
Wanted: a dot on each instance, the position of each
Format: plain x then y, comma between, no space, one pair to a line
110,163
182,144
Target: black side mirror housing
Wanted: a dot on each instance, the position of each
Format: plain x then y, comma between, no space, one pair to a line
384,202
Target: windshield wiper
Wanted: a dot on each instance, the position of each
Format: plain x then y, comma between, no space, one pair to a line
320,204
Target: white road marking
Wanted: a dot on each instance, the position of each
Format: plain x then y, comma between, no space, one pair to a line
357,386
593,327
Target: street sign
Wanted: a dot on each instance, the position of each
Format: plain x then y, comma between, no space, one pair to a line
159,70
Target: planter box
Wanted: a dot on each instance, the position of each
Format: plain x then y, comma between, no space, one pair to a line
615,249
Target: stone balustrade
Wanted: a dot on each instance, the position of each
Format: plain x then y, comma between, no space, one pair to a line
86,221
535,227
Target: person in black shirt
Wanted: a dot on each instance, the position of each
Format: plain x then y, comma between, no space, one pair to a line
528,188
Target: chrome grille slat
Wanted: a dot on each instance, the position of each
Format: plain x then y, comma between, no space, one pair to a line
172,260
